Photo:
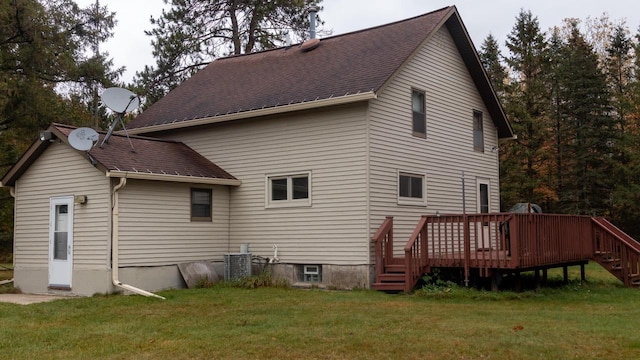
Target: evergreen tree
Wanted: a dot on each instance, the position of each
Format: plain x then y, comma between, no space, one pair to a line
524,161
42,47
590,137
491,60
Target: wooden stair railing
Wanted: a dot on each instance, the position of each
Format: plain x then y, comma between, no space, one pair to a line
390,272
616,251
395,273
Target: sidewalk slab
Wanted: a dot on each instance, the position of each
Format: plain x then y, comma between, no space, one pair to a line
26,299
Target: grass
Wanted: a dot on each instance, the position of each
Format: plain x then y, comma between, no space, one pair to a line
584,321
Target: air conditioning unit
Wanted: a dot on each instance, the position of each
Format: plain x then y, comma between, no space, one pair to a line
311,273
237,266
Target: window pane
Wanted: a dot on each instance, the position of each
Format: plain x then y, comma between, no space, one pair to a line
279,189
478,133
60,245
201,203
416,187
300,187
411,186
418,107
418,102
405,186
419,124
484,198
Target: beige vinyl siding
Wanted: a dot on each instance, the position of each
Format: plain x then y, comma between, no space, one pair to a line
451,98
331,145
62,171
155,226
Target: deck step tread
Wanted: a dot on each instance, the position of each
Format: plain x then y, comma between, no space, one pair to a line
394,268
392,277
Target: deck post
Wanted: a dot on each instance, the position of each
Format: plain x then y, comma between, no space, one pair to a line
467,249
565,274
583,278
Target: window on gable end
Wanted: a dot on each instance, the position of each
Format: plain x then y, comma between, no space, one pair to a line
478,132
419,113
201,204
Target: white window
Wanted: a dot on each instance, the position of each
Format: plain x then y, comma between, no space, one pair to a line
289,190
200,204
419,113
411,189
478,132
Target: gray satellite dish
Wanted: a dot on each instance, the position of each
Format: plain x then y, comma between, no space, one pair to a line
120,100
83,138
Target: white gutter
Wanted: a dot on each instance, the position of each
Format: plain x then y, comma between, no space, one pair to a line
173,178
338,100
114,246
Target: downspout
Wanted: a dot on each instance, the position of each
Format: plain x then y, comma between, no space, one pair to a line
114,246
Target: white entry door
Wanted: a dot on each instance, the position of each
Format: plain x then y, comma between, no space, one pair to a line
61,242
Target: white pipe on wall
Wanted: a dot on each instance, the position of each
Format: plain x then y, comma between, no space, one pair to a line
114,246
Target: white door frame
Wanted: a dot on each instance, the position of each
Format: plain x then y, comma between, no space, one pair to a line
60,242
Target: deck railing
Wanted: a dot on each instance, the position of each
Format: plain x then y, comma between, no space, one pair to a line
415,255
510,241
383,243
495,241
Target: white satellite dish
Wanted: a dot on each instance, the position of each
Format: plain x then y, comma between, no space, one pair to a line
83,138
120,100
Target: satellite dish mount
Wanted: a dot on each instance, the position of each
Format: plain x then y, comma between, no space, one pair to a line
120,101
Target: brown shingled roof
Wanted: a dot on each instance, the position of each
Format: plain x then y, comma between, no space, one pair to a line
347,64
153,159
153,156
357,62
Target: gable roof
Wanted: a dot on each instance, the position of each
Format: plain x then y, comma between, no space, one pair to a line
341,69
153,159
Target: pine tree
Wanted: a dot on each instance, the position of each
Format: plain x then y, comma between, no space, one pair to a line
590,130
490,57
43,46
524,162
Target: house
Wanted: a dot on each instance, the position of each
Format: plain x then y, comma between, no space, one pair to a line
319,142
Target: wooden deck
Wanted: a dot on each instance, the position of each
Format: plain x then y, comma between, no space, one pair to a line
503,242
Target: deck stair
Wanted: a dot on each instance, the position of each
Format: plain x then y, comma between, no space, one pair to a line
503,243
617,252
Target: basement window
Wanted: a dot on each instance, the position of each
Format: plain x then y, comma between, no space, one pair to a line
310,273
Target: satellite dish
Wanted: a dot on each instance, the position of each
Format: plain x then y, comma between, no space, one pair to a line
83,138
120,100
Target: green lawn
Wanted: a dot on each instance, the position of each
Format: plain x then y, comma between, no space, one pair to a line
593,321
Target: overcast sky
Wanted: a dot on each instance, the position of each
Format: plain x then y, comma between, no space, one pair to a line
131,48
